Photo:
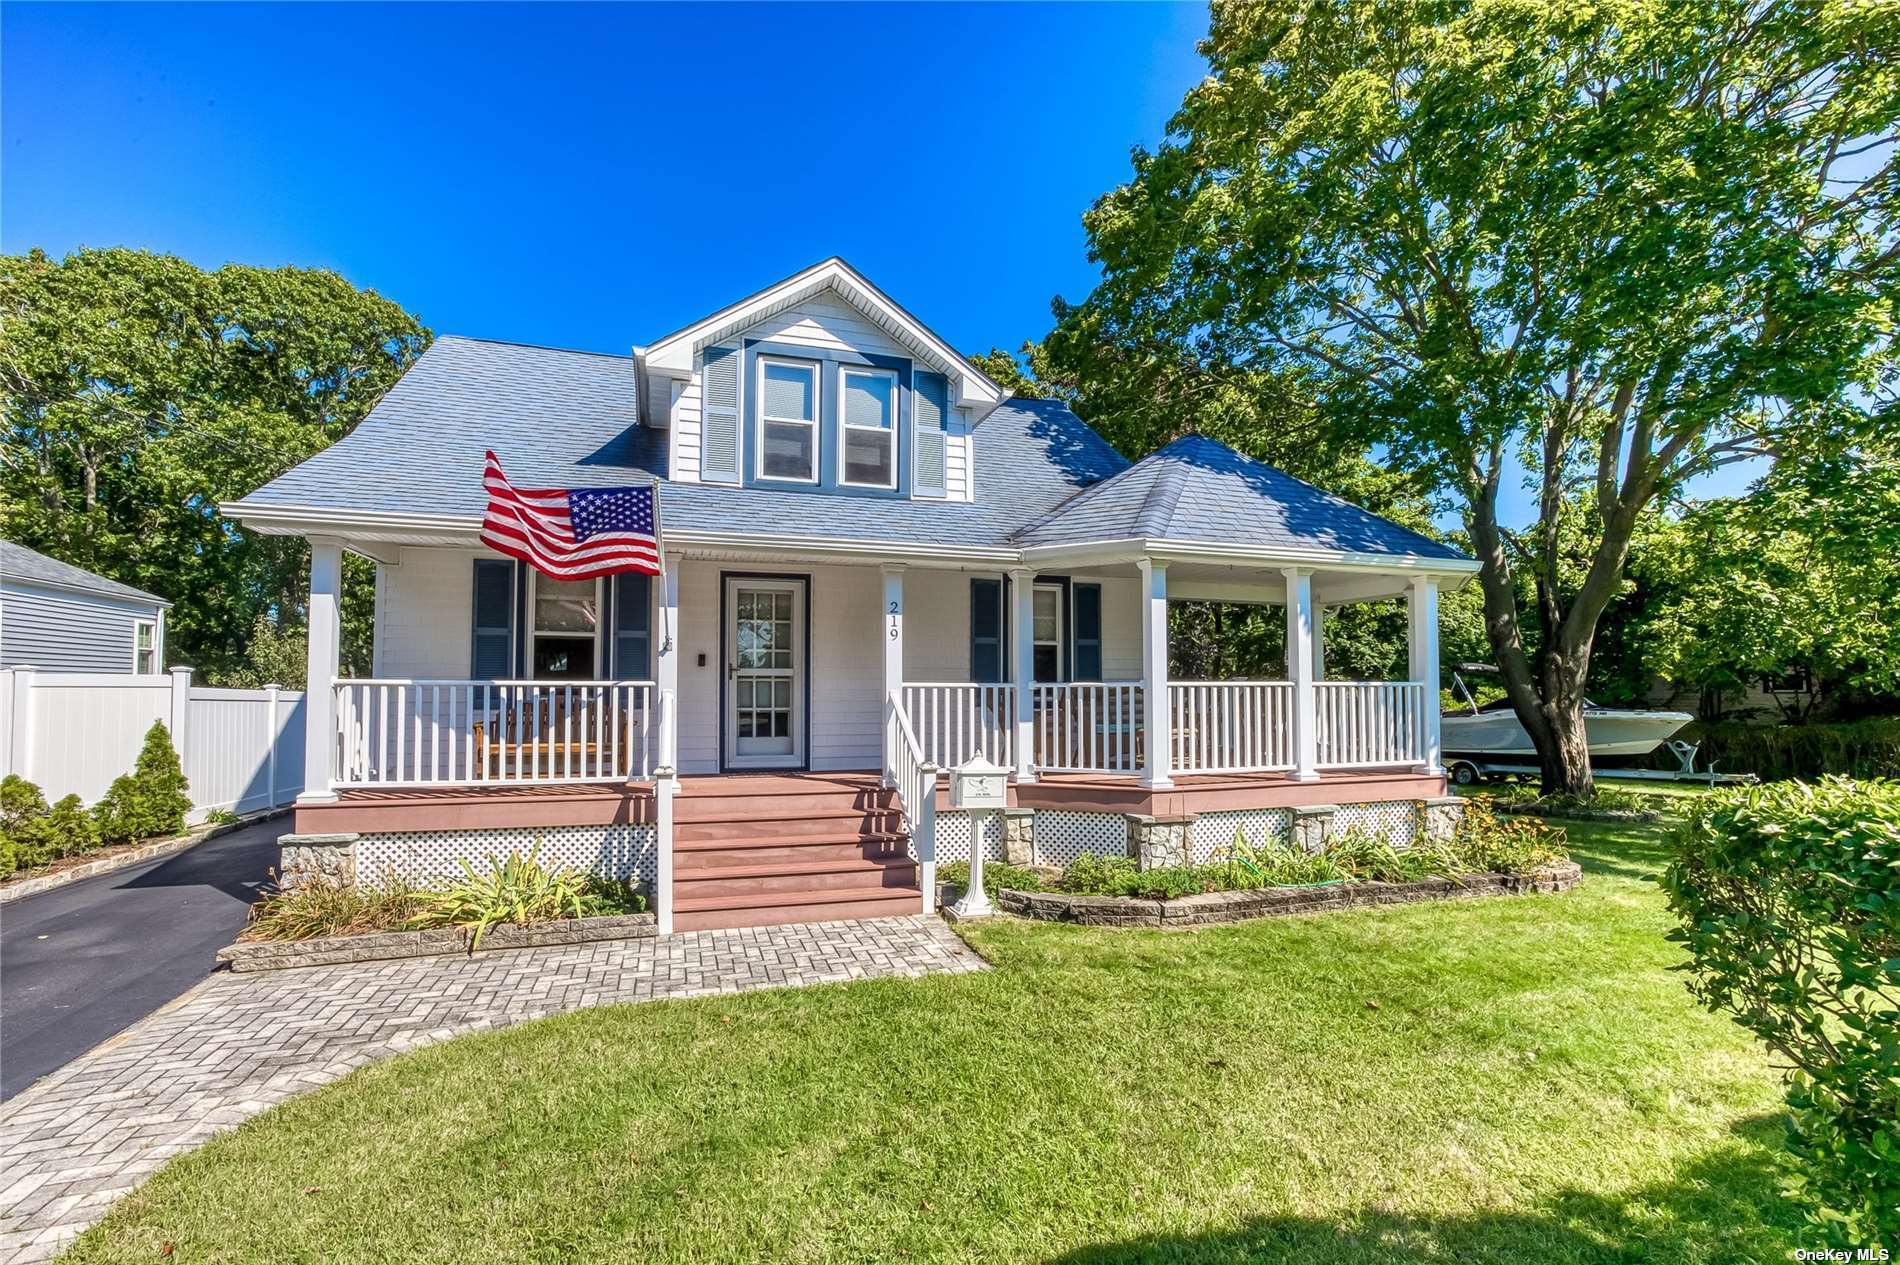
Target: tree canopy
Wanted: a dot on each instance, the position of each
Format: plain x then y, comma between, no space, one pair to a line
141,390
1604,247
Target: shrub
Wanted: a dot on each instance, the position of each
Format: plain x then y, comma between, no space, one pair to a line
151,799
517,888
73,828
1604,799
1486,843
1788,899
996,876
26,837
33,834
319,909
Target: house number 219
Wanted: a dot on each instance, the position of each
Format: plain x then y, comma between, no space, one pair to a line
895,616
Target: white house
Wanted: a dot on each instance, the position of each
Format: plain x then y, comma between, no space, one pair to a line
878,562
59,618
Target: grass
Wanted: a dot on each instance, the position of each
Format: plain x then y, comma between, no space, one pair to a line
1500,1080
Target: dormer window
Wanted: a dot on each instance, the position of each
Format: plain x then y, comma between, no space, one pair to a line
868,455
788,420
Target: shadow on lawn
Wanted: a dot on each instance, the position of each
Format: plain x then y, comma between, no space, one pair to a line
1722,1208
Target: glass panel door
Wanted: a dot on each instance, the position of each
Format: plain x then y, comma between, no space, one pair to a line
765,701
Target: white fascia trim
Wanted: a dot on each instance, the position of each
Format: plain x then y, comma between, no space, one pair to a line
1133,549
455,529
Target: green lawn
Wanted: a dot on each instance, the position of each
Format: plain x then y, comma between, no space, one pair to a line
1508,1080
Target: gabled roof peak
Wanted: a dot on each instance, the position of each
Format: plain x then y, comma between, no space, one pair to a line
974,389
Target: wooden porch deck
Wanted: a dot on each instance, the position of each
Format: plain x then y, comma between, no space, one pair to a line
364,810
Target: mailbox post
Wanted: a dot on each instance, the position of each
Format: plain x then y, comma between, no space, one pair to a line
981,789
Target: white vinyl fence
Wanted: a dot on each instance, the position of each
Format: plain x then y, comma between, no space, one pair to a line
73,732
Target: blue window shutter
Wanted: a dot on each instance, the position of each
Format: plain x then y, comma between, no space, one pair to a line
1085,629
633,627
492,655
986,630
929,409
719,416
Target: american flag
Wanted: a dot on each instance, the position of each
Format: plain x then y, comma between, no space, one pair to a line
573,533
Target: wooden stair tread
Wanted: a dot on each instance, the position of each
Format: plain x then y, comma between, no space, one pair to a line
831,896
792,869
741,841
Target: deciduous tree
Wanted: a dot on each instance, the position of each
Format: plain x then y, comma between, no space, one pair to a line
1606,246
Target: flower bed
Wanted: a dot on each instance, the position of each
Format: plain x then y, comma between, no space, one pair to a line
377,946
1207,908
516,903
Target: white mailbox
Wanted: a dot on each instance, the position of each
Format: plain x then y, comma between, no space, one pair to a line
978,784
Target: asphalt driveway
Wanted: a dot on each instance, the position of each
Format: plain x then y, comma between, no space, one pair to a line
81,963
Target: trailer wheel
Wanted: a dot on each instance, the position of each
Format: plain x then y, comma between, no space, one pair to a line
1464,773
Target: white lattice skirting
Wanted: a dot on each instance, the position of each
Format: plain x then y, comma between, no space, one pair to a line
1212,833
1061,836
1397,820
953,837
423,856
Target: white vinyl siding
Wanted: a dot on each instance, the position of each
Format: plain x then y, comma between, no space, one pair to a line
959,460
64,631
681,402
829,323
423,631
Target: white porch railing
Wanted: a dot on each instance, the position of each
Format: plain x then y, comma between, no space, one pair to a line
914,778
953,720
1213,726
1088,726
1368,724
1230,726
476,733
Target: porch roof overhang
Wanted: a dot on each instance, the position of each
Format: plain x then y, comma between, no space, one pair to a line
1206,568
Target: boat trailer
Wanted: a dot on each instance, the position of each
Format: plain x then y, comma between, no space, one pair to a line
1468,770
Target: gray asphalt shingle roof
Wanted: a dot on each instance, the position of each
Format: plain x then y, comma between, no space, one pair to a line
19,563
1198,489
568,419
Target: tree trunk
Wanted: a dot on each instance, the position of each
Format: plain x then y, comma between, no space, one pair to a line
1565,758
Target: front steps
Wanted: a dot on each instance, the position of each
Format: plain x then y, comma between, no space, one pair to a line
766,849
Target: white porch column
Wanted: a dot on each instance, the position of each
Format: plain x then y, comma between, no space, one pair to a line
323,624
1421,620
890,633
1319,642
1157,738
666,665
1022,649
1301,633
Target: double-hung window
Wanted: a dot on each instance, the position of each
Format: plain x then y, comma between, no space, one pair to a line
868,413
1046,630
145,647
566,627
788,420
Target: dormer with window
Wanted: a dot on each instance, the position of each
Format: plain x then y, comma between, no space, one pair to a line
818,384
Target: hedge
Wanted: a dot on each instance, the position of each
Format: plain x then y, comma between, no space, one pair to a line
1861,749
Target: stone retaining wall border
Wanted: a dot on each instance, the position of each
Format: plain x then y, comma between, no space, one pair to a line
382,946
1268,902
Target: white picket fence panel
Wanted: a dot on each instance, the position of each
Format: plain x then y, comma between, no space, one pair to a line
72,733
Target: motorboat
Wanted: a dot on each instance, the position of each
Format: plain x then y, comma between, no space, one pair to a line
1493,731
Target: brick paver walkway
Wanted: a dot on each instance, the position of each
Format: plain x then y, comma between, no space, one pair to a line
238,1044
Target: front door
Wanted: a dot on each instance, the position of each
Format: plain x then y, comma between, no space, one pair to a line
765,673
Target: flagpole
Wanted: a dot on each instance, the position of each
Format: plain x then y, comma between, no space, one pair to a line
659,547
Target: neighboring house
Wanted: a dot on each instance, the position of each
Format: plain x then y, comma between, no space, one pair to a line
58,618
877,563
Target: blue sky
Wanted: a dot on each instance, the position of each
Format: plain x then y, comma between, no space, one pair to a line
595,176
